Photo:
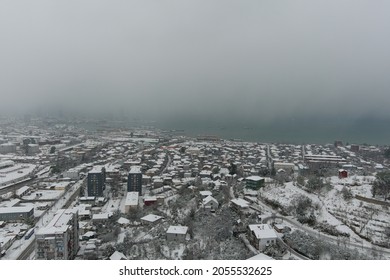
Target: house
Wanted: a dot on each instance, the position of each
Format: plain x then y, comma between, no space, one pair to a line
177,233
343,173
239,204
210,203
261,236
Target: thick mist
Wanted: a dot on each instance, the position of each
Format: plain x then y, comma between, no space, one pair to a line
220,63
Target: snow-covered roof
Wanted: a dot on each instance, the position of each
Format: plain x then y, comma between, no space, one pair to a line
205,193
89,234
240,202
117,256
263,231
60,222
254,178
132,198
151,218
177,230
135,170
123,221
209,199
101,216
261,256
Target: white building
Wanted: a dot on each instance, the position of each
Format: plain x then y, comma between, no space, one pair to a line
262,235
132,199
177,233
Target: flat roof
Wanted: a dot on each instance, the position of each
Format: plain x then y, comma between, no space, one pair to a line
132,198
151,218
177,229
263,231
240,202
101,216
254,178
135,170
60,222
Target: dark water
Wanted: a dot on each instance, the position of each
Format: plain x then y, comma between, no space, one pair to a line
320,131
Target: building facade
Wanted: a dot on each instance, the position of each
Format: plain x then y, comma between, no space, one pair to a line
11,214
134,180
96,182
59,240
254,182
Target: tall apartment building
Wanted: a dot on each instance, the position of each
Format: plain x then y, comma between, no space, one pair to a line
59,240
134,180
96,182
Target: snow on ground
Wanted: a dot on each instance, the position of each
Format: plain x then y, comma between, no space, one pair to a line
351,216
175,253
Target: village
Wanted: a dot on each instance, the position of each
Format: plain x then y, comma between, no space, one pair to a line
142,193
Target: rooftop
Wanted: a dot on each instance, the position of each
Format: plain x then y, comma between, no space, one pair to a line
263,231
177,230
132,198
151,218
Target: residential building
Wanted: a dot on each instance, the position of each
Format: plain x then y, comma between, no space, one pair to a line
254,182
134,180
239,204
96,182
261,236
59,240
177,233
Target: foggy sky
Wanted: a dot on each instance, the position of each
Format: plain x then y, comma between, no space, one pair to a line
260,60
